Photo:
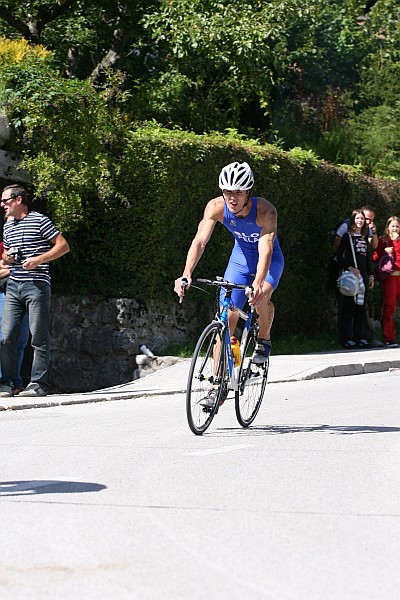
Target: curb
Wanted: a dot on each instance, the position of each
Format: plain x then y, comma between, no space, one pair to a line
11,404
345,371
79,399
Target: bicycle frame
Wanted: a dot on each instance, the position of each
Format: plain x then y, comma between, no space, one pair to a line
213,374
222,317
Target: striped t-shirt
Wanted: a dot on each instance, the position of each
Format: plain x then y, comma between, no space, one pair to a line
31,235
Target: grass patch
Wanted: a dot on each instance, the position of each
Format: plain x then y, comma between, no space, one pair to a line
301,344
294,344
185,351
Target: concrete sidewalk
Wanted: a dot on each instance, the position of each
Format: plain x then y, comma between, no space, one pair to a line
172,380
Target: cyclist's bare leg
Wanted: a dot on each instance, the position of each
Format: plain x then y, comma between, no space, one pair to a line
232,319
209,401
266,314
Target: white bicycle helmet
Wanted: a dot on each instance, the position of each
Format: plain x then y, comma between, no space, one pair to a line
236,176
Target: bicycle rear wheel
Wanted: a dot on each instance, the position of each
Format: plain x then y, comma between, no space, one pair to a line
252,382
207,373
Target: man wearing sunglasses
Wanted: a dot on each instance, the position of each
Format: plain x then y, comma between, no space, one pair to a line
31,241
256,257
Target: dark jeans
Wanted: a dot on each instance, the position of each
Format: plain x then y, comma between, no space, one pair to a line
21,298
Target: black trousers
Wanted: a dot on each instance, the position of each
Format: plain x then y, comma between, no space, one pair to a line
351,320
367,331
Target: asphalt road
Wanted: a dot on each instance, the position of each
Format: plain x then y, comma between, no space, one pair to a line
120,499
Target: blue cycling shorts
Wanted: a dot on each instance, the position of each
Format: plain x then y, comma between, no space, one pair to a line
242,268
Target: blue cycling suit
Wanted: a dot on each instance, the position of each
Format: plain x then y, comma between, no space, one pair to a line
243,261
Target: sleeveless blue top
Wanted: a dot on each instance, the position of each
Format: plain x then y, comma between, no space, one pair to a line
245,230
247,234
243,261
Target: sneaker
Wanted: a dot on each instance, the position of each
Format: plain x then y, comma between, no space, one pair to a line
262,351
377,344
17,391
363,344
391,344
33,389
209,400
6,391
349,345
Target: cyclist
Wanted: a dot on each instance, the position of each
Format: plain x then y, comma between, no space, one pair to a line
256,258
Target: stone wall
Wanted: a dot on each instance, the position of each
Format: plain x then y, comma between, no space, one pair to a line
94,344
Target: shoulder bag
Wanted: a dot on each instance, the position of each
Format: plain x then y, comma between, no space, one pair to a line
348,283
384,267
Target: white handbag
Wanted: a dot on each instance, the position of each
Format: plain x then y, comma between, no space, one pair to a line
348,283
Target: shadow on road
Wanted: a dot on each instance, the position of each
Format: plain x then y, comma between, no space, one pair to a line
281,429
38,486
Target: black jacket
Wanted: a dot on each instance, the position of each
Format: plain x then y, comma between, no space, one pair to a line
345,255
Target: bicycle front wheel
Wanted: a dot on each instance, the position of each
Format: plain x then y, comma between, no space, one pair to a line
252,382
206,379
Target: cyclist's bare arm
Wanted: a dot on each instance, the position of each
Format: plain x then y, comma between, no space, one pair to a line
212,213
267,219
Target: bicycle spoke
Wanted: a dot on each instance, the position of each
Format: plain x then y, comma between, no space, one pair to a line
252,382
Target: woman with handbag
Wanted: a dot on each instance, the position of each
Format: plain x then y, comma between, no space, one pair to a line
352,255
389,244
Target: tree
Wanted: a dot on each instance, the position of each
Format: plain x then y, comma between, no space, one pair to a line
375,126
298,72
253,65
215,59
86,36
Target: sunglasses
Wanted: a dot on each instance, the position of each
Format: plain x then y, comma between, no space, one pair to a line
5,200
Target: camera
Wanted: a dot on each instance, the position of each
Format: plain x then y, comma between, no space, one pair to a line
16,255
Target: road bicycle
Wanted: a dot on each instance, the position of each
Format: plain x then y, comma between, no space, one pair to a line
213,366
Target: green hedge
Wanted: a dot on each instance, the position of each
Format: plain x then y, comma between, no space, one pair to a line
135,243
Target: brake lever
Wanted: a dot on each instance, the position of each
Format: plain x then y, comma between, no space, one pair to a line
249,293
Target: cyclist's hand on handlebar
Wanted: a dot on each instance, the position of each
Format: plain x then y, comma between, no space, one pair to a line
256,296
181,284
260,294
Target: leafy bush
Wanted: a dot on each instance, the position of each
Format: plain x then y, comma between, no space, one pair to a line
377,136
19,51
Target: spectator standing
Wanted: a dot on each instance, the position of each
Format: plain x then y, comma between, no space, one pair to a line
353,307
369,212
389,243
30,241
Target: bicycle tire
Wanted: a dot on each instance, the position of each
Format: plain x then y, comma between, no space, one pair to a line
252,383
204,375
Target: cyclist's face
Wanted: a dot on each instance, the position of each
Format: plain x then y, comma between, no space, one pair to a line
236,199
